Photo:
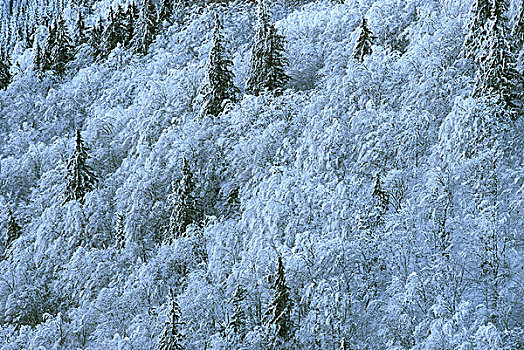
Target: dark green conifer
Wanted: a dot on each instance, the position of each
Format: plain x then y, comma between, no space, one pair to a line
184,211
115,32
268,63
277,319
364,42
220,87
517,32
80,178
95,38
80,31
171,339
14,231
477,28
146,27
5,73
236,329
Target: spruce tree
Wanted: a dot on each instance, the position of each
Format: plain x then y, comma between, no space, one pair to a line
146,27
166,11
5,74
497,77
184,211
115,31
277,319
80,31
131,18
267,65
61,48
120,235
517,33
220,87
477,27
236,329
13,229
171,339
80,178
95,38
37,59
364,42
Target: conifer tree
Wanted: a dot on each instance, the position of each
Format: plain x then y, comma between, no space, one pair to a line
95,38
220,87
184,211
13,229
517,32
146,27
58,49
267,65
80,178
166,11
277,319
37,59
131,17
120,236
115,31
236,328
477,27
364,42
5,74
171,339
80,31
497,76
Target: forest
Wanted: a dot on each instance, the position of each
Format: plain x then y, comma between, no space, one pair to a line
262,175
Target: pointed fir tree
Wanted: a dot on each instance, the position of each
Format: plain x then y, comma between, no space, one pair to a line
5,73
95,38
268,63
477,26
80,31
277,319
80,178
131,18
146,28
14,231
364,42
184,211
166,11
37,59
58,49
497,77
171,339
115,32
517,33
220,87
236,329
120,235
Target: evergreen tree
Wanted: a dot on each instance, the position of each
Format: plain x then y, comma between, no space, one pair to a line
267,65
171,339
115,31
95,38
477,27
517,32
37,59
80,31
236,328
184,211
497,76
120,235
364,42
5,74
220,87
166,11
131,17
80,178
58,49
13,229
278,316
146,27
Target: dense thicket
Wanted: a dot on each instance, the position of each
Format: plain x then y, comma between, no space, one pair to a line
363,189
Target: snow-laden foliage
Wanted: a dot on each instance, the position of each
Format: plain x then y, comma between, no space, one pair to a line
375,202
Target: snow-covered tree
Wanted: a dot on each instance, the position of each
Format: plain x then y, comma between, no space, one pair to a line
236,328
277,320
220,87
267,68
171,338
115,31
14,230
517,32
5,74
96,38
146,27
80,30
364,43
477,27
58,49
185,211
80,177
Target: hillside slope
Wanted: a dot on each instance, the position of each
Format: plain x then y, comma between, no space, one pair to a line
390,191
